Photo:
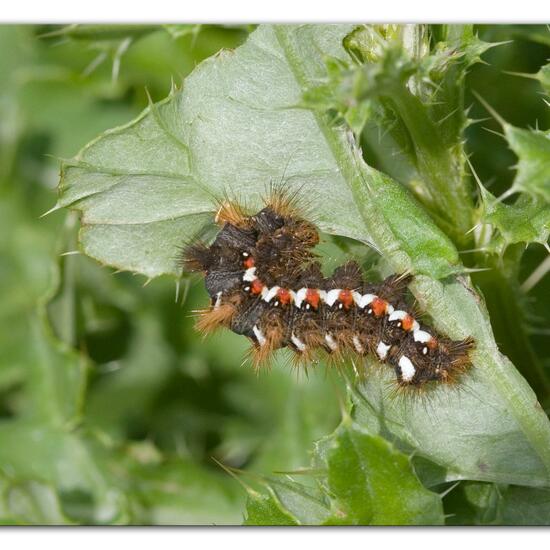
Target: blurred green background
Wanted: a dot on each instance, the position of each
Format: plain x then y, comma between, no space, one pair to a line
152,406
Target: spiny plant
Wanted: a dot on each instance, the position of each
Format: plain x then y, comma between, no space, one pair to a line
371,123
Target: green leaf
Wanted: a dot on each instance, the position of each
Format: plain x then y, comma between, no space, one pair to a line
65,460
544,77
179,492
286,502
525,506
266,510
374,484
30,503
525,221
174,161
533,169
362,480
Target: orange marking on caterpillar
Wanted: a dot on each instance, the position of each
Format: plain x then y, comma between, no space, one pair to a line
284,296
249,262
346,298
256,286
407,323
379,307
312,297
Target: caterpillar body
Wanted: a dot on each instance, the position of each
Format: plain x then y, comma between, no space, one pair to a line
265,283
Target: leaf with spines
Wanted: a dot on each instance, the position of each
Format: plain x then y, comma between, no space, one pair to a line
363,480
525,221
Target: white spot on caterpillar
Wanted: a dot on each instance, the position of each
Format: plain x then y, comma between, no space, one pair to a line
357,344
422,336
399,314
218,300
366,299
300,346
332,296
259,335
331,342
407,368
425,350
299,297
382,350
249,274
246,254
271,293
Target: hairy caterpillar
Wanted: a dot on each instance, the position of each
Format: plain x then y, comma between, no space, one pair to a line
265,283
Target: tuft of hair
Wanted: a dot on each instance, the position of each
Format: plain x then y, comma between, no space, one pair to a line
232,212
195,257
459,358
394,287
262,354
284,202
216,318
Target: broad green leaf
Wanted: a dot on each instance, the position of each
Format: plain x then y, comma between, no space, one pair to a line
374,484
176,161
525,506
488,427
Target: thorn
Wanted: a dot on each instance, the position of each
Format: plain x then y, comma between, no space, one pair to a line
475,269
472,121
447,491
471,250
177,291
50,211
507,194
537,275
70,253
532,76
472,229
476,177
499,134
146,282
230,471
149,98
448,115
495,115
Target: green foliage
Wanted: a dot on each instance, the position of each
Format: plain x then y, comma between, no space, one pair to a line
111,408
368,482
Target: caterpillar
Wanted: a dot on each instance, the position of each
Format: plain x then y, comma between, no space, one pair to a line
265,283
